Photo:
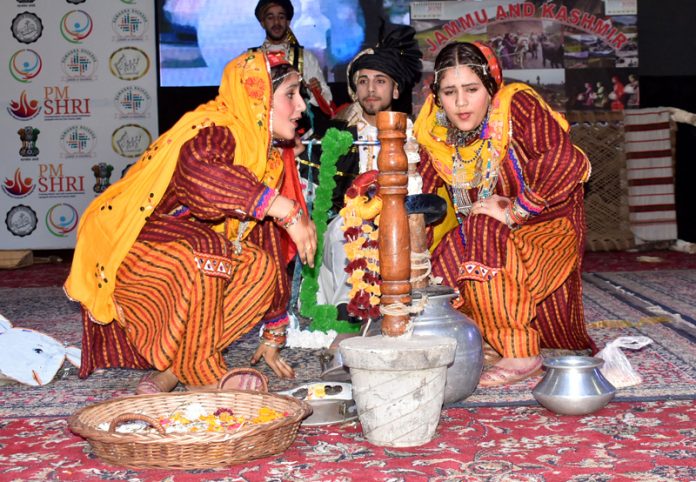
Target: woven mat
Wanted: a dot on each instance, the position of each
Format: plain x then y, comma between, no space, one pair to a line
601,136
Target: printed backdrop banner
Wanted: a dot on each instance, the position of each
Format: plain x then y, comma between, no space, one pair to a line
578,54
80,105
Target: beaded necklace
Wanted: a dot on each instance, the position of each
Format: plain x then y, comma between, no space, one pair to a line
464,177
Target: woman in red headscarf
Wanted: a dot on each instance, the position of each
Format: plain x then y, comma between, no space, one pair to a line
513,239
189,250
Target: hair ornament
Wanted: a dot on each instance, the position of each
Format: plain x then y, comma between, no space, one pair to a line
483,67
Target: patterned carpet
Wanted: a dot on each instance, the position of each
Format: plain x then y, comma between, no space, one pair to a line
646,433
645,441
658,305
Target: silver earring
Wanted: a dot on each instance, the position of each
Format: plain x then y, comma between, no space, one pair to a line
441,118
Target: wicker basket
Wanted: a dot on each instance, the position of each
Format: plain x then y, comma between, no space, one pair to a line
189,450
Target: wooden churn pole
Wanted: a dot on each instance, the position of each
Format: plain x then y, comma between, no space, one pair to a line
394,241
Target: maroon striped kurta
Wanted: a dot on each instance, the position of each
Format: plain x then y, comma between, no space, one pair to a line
183,293
523,287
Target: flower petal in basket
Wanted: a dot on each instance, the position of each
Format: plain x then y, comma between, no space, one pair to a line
190,450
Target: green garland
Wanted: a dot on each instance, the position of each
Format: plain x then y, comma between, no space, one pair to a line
334,144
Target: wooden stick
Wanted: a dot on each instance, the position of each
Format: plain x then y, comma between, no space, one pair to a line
394,241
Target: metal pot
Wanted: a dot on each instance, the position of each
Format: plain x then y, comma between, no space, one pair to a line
439,318
573,385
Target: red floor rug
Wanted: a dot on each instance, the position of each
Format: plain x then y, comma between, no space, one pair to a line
595,262
650,441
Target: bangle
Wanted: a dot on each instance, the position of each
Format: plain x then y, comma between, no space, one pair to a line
508,220
515,216
290,218
295,219
274,336
272,345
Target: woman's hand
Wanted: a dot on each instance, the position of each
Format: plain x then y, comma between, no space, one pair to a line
272,357
493,206
304,234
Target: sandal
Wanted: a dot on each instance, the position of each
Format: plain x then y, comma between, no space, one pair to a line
497,376
248,379
151,384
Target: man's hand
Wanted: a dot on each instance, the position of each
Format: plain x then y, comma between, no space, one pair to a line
314,84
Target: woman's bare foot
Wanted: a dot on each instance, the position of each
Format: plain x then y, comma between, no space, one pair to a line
510,370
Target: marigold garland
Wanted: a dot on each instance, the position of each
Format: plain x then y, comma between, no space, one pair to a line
360,230
334,144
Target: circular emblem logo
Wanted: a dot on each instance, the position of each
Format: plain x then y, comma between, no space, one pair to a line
24,65
79,64
61,219
75,26
18,186
24,108
27,27
129,24
21,220
132,101
129,63
130,140
78,141
75,2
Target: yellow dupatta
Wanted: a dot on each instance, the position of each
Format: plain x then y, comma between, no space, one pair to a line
433,138
111,223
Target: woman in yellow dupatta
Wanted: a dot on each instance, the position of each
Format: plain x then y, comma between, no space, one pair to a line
513,239
183,253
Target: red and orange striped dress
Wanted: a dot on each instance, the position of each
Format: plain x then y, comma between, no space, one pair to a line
523,286
183,292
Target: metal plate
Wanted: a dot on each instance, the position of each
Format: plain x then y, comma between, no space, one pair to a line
329,412
330,409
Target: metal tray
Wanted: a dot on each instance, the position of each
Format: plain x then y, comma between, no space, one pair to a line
330,409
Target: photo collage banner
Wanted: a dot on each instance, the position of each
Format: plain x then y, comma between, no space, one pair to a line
80,106
578,54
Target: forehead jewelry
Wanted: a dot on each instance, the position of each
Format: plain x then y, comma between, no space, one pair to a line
483,67
280,79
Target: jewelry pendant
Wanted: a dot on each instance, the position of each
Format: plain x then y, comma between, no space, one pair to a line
458,176
476,181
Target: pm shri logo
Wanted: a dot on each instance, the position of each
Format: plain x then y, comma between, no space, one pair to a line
24,108
18,186
24,65
75,26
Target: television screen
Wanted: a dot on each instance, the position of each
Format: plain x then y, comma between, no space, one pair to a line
198,37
